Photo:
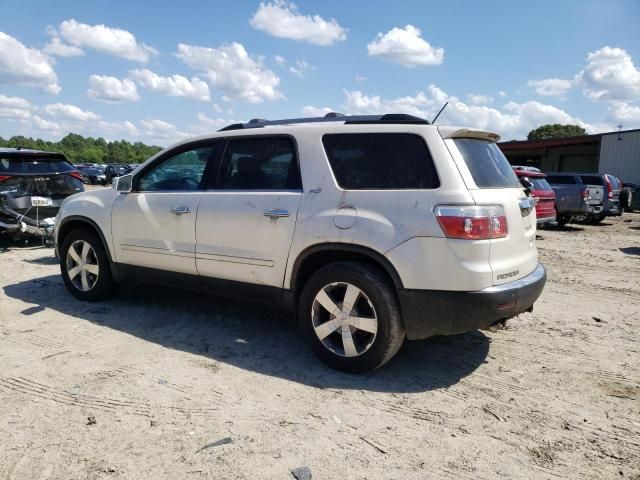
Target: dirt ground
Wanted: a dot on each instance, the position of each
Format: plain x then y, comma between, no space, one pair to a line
135,387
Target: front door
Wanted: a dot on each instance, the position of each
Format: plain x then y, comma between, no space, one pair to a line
247,218
154,225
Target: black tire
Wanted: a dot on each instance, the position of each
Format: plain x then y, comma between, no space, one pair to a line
378,292
596,219
563,220
104,285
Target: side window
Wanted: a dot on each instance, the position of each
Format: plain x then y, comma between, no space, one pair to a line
592,180
180,172
267,163
391,161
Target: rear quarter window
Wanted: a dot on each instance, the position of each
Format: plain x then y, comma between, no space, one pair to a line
487,164
380,161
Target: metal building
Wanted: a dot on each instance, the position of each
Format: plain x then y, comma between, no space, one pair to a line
617,153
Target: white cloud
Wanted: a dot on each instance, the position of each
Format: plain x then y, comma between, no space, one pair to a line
405,46
161,131
175,85
113,41
358,103
231,69
112,90
551,87
476,99
280,60
310,111
70,112
46,125
282,19
625,114
21,65
502,93
207,125
14,102
610,74
300,68
513,120
59,49
360,78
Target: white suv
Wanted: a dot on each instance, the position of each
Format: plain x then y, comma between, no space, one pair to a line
372,228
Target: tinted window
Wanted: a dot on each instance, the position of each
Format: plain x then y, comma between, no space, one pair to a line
592,179
34,165
561,179
487,164
391,161
539,183
180,172
267,163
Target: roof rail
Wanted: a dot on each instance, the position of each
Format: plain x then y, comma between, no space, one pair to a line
389,118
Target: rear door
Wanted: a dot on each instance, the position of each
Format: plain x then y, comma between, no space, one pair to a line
246,219
491,181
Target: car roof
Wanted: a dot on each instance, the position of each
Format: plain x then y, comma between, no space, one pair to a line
26,151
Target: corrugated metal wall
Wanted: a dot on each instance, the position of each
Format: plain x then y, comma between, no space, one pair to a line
621,157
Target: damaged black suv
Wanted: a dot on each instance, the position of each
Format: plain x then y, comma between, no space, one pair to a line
33,185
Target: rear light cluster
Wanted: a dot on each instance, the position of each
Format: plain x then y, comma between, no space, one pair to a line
77,175
472,222
586,194
609,187
4,177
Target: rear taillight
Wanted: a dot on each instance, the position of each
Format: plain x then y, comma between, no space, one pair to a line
609,187
472,222
77,175
586,195
4,177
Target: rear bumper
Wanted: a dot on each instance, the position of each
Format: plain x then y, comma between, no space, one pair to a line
546,220
436,312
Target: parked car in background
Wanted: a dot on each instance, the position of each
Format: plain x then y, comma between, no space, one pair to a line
33,185
630,197
611,200
374,228
94,175
114,170
575,198
535,180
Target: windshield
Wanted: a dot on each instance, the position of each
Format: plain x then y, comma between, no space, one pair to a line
34,165
487,164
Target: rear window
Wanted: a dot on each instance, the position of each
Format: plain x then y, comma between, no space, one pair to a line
37,165
592,179
540,183
487,164
380,161
561,179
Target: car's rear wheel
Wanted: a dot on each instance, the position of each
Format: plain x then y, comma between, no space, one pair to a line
85,266
349,315
563,219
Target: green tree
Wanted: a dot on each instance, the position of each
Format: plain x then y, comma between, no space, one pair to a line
546,132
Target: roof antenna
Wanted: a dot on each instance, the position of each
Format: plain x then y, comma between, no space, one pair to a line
441,110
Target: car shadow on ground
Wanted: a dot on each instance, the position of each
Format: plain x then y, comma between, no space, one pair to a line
631,250
563,228
252,336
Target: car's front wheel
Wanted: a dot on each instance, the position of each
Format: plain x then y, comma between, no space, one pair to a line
349,315
85,266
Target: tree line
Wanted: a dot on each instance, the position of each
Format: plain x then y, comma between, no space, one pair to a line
79,149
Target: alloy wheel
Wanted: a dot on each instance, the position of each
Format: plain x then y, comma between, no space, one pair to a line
344,319
82,265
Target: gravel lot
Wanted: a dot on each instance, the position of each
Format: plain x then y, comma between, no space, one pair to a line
135,387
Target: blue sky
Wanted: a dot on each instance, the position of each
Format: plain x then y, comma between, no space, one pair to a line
162,71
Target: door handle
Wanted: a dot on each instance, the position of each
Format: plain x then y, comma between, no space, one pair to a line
180,210
275,213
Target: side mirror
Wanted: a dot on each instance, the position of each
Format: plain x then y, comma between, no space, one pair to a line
123,184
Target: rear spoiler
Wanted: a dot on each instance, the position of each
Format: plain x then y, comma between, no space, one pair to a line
468,133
